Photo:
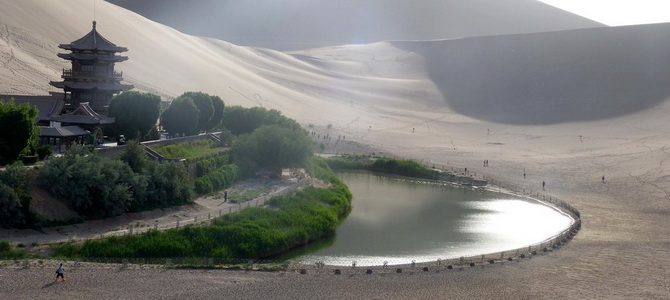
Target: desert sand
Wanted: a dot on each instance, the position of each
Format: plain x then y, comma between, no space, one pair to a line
566,107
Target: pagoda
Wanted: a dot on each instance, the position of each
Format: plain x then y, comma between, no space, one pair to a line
92,81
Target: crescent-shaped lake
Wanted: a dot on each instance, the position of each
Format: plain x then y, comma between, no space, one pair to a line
397,220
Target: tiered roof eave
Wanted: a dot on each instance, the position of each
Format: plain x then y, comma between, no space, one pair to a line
93,41
83,114
88,85
90,56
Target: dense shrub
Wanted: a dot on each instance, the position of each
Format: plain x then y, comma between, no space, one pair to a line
43,151
386,165
92,185
401,167
168,184
338,163
240,120
211,164
19,132
273,147
214,174
101,187
217,180
189,150
14,198
254,232
10,206
6,251
135,156
203,186
29,159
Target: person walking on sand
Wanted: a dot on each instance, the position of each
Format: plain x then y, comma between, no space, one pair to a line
59,273
543,184
603,179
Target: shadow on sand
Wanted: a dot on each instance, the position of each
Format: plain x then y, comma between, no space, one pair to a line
551,77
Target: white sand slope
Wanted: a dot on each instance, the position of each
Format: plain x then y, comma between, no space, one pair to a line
567,107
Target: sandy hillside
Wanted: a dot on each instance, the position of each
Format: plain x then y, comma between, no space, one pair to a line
292,25
568,107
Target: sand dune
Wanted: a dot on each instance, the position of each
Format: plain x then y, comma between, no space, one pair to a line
292,25
567,107
544,78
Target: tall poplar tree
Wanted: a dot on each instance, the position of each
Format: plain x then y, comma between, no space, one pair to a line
19,132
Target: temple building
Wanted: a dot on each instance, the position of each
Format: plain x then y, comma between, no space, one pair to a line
80,111
92,78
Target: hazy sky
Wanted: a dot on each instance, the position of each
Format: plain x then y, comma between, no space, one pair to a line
296,24
617,12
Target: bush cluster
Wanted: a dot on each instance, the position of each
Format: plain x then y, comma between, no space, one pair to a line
217,179
14,198
386,165
215,173
6,251
97,187
273,148
189,150
292,220
401,167
211,164
239,120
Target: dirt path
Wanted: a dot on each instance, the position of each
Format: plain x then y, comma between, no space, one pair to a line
203,210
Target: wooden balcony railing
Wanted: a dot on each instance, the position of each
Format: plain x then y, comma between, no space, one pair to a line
70,74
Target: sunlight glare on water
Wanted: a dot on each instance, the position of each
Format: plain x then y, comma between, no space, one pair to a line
399,220
514,221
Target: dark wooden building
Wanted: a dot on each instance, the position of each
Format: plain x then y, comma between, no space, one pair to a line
92,78
80,111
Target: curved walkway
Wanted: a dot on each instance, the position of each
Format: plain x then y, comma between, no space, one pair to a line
203,210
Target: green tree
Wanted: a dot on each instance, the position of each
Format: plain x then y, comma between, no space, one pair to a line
205,108
10,206
240,120
219,106
94,186
181,117
136,114
273,147
135,156
14,198
168,184
22,138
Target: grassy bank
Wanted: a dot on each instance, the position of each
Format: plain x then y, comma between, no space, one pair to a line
407,168
290,221
7,252
402,167
189,150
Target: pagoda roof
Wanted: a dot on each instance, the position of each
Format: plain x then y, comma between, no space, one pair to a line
83,114
48,106
62,131
93,41
89,85
92,56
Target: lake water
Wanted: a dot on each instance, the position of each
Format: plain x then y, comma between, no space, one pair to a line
400,220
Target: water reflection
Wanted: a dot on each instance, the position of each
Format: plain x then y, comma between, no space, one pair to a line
398,221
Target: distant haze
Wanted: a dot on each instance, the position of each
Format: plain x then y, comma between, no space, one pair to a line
300,24
619,12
